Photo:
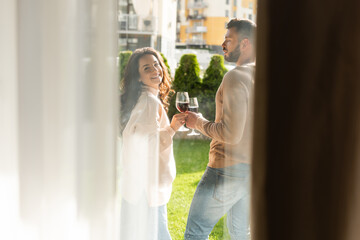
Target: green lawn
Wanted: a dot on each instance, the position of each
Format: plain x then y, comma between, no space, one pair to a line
191,158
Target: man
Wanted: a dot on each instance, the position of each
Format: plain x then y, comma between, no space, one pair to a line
224,187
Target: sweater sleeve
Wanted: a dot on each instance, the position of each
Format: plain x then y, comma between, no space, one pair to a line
231,126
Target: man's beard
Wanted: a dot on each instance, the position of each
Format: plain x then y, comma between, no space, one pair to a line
234,55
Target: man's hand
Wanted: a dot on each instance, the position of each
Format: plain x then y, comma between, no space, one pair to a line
191,119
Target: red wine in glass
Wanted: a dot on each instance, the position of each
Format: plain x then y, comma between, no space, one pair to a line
182,105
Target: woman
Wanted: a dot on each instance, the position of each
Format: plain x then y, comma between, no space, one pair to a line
147,162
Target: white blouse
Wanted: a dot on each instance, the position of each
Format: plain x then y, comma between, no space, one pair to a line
147,160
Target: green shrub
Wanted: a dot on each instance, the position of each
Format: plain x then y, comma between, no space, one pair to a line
166,63
211,82
187,79
123,60
214,73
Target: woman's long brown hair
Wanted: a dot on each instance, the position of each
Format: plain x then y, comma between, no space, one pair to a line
131,87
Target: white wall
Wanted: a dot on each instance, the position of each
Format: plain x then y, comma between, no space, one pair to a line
216,8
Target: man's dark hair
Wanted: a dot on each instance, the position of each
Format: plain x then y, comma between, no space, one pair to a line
245,28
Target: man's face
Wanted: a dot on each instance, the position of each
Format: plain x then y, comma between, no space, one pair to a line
231,46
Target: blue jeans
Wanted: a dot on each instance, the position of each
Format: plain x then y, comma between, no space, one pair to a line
142,222
220,191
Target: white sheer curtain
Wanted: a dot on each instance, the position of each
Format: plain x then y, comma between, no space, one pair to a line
58,117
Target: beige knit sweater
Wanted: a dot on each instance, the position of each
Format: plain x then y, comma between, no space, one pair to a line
231,132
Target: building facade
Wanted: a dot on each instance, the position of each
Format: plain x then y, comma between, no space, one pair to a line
148,23
202,23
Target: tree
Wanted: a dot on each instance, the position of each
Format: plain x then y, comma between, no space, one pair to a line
211,82
187,79
187,75
214,74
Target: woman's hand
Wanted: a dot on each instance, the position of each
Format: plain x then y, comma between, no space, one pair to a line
178,120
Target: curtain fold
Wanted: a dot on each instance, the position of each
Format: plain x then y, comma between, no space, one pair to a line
59,116
9,194
307,134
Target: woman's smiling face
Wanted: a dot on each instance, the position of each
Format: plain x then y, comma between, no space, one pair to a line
151,73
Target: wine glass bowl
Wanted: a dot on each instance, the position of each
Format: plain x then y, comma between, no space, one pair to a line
182,105
193,107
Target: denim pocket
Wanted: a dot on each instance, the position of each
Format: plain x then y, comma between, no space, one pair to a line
229,188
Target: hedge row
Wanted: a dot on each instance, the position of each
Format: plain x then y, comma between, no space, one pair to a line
187,79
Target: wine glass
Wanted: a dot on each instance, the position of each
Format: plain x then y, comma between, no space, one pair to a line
182,105
193,107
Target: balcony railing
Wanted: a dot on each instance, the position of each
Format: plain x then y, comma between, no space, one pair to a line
197,29
196,42
196,16
197,5
137,24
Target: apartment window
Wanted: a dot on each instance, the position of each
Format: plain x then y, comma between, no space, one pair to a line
250,16
133,21
226,13
197,37
234,14
133,40
197,24
250,5
227,2
235,3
